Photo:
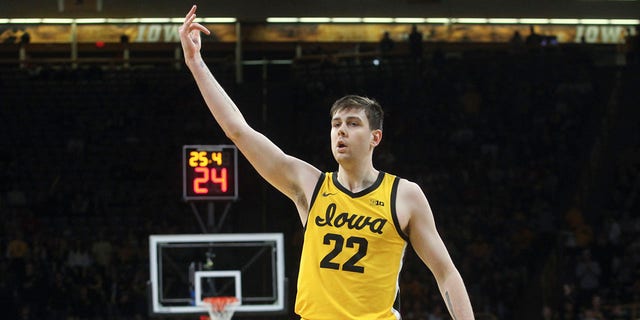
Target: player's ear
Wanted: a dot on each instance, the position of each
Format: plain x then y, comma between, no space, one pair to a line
376,137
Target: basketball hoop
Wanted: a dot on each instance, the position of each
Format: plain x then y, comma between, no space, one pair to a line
221,308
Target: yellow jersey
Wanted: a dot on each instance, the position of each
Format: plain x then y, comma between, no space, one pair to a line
352,253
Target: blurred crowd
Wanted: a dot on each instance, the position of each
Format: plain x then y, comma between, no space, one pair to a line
500,141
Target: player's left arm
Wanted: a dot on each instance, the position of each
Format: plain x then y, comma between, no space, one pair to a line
419,224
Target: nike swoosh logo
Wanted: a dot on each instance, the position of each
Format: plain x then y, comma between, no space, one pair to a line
326,194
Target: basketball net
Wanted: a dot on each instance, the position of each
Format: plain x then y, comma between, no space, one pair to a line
221,308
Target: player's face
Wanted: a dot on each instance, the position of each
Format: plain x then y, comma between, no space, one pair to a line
351,137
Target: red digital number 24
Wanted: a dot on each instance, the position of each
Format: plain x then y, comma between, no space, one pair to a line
204,177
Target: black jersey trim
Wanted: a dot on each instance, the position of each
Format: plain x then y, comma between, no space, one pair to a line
375,185
316,190
396,303
394,213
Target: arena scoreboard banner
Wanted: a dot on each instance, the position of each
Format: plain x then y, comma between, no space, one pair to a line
91,33
308,32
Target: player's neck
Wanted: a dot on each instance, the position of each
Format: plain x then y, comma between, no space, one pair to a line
358,178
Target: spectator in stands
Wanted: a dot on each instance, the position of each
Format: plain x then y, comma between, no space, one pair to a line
548,313
386,43
568,311
83,306
25,38
102,250
17,252
632,42
436,313
10,35
417,311
17,249
516,42
595,309
534,40
79,256
33,289
415,43
588,273
618,313
59,293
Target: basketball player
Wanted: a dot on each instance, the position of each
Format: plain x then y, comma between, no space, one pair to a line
358,220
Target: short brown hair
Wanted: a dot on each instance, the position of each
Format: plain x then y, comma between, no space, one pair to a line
371,107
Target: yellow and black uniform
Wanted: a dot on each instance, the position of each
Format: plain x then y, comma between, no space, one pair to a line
352,253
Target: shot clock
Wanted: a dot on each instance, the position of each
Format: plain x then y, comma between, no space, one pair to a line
210,172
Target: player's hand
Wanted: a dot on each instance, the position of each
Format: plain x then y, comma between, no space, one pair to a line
190,35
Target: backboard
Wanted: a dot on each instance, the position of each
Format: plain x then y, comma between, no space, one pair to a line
186,268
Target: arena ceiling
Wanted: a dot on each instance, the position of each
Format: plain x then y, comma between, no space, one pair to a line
259,10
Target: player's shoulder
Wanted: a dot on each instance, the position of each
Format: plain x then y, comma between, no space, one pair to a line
408,188
410,201
401,180
405,185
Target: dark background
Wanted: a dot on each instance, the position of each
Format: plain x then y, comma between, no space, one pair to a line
529,155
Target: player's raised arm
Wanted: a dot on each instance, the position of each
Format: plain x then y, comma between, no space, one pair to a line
222,107
293,177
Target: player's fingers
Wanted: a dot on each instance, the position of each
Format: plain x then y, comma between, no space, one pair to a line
188,20
201,28
192,11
